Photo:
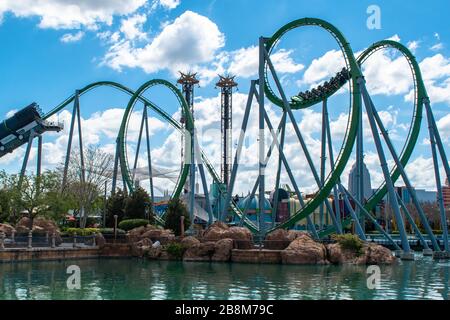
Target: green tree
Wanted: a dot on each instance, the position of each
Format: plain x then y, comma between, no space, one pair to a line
175,210
29,194
115,206
138,205
86,181
5,205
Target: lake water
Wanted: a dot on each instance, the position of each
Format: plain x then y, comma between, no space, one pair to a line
141,279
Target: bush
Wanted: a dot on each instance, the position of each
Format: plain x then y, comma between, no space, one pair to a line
176,250
349,241
110,231
132,223
115,206
80,232
138,206
175,210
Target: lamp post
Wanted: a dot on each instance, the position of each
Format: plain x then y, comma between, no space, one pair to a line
182,226
115,227
104,205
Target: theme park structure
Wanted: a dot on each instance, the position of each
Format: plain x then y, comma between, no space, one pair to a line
268,86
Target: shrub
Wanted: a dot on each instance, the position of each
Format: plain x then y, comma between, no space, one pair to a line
80,232
138,205
175,210
349,241
176,250
115,206
110,231
132,223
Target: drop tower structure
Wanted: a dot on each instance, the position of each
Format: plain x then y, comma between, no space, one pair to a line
226,85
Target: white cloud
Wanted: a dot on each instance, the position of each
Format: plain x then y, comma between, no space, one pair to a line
169,4
395,37
70,14
443,125
437,47
324,67
387,74
131,27
436,75
72,37
413,45
190,40
245,62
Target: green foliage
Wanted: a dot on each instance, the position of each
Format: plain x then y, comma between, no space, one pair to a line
115,206
349,241
110,231
80,232
33,194
5,205
175,210
176,250
132,223
138,204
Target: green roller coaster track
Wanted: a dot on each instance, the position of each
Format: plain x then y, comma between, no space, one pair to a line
350,137
353,66
413,134
355,71
127,175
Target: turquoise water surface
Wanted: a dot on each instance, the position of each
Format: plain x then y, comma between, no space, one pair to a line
141,279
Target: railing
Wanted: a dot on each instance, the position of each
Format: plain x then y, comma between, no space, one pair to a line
39,240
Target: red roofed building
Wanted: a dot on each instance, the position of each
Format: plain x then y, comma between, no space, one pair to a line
446,194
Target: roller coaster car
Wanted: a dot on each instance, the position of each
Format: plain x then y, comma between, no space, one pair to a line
19,121
16,130
297,99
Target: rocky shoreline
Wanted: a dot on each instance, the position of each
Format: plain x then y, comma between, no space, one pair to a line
221,243
217,243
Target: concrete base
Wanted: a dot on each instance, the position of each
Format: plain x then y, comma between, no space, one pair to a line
407,256
438,255
398,253
427,252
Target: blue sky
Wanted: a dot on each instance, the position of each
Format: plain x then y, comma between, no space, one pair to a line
50,48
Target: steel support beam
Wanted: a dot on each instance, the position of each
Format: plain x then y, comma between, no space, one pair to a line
138,148
237,156
413,224
116,168
369,216
39,156
261,137
69,142
25,159
440,200
335,189
288,109
389,183
149,156
291,176
405,177
203,179
323,158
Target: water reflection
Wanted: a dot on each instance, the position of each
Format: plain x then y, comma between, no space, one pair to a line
138,279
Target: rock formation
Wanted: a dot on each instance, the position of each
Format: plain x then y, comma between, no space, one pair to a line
277,240
242,237
222,250
304,250
7,229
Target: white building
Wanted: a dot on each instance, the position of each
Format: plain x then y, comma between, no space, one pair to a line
353,183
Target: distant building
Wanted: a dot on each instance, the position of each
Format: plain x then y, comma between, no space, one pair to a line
353,182
446,194
423,196
426,196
